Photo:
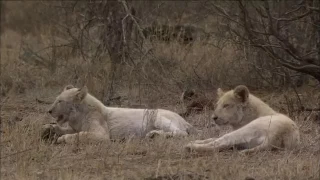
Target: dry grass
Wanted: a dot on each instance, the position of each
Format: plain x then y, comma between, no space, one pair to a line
155,81
25,156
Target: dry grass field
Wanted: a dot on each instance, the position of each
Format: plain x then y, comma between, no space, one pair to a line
25,156
155,80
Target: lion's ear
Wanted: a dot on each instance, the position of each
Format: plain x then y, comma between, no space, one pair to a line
220,92
68,87
241,92
82,92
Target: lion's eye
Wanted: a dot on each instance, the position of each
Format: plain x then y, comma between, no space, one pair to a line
59,101
225,105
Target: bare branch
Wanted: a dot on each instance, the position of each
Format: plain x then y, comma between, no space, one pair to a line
294,18
287,46
225,14
43,101
124,4
123,29
313,9
294,10
309,109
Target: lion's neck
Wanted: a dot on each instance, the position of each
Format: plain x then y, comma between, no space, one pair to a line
254,109
91,100
79,117
260,108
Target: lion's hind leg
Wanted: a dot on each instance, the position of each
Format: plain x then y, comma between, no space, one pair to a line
262,143
162,133
263,146
232,139
203,141
155,133
167,128
210,144
201,147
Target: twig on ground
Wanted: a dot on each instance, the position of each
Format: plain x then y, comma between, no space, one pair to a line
309,109
43,101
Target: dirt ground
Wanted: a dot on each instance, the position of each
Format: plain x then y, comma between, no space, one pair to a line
25,156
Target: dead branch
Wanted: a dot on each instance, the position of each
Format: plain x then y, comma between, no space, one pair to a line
309,109
43,101
124,4
260,33
16,153
305,64
313,8
294,18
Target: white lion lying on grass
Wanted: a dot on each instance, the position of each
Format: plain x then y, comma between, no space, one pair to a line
256,125
87,118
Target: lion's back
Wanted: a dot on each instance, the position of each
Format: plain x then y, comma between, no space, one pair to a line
278,127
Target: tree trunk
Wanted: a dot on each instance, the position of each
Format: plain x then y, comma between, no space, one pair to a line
115,37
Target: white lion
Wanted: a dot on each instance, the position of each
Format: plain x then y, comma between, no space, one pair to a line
86,115
256,125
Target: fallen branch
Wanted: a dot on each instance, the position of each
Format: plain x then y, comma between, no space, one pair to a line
16,153
309,109
43,101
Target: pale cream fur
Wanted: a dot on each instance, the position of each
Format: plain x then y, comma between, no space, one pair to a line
256,125
84,122
126,122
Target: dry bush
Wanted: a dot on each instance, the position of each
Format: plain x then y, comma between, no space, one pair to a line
63,52
275,29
